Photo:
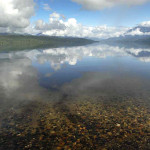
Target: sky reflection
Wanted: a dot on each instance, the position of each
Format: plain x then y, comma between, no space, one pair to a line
27,72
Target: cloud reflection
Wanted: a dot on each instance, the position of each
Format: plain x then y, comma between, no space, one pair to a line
19,82
71,55
19,78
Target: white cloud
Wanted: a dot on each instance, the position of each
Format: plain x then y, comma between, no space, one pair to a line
15,18
55,23
57,26
55,16
145,24
78,30
101,4
15,13
46,7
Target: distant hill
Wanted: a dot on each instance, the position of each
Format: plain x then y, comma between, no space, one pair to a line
21,42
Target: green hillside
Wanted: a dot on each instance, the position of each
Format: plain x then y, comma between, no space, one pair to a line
21,42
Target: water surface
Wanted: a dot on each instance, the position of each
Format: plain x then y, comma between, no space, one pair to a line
88,97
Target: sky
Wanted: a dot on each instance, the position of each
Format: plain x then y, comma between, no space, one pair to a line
79,18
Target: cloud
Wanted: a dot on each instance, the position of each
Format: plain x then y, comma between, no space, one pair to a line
75,29
55,23
15,18
46,7
58,26
15,13
102,4
55,16
145,24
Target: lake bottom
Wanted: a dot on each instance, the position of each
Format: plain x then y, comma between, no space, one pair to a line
77,122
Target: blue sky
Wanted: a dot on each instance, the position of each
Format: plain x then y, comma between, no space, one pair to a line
77,18
115,16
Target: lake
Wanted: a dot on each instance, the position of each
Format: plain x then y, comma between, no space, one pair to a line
87,97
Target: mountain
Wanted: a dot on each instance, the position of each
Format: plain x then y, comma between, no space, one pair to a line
139,35
142,29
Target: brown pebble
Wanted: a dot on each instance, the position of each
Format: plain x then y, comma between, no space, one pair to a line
109,133
118,125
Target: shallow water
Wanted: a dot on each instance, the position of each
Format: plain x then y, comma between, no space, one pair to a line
89,97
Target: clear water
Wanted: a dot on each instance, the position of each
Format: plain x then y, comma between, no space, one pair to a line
89,97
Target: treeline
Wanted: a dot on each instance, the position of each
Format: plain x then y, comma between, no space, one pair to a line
21,42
